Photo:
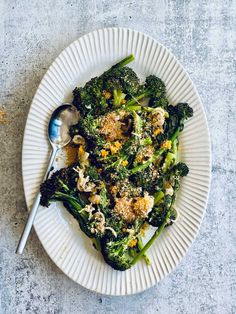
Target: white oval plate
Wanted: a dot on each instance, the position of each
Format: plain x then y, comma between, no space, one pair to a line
59,233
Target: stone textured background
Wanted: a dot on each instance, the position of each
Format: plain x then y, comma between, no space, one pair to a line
202,35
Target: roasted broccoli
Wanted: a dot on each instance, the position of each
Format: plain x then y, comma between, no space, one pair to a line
61,187
175,122
177,116
61,181
154,88
89,128
120,64
148,179
152,240
164,199
128,170
179,170
121,81
89,99
158,213
116,252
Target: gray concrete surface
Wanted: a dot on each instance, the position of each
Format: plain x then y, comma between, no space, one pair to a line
202,34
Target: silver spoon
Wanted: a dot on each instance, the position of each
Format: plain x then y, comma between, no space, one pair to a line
58,134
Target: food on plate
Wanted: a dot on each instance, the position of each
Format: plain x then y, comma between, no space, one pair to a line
127,170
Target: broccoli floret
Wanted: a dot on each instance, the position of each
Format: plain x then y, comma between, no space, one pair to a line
177,115
63,180
184,110
60,187
89,128
92,173
158,213
148,179
89,99
178,171
113,82
181,169
114,222
121,81
115,173
158,102
154,88
124,78
116,254
116,251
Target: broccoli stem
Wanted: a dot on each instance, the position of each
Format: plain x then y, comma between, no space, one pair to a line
76,206
158,197
116,95
149,162
175,149
132,252
171,157
135,99
152,240
132,108
169,160
66,197
140,247
117,162
138,124
123,62
96,244
120,64
65,187
175,135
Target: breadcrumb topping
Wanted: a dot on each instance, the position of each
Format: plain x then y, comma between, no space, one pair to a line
112,126
132,208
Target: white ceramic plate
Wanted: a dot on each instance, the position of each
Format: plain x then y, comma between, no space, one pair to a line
59,233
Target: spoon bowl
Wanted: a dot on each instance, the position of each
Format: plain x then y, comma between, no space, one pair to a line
59,125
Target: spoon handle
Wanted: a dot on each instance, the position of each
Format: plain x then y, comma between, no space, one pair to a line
34,208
